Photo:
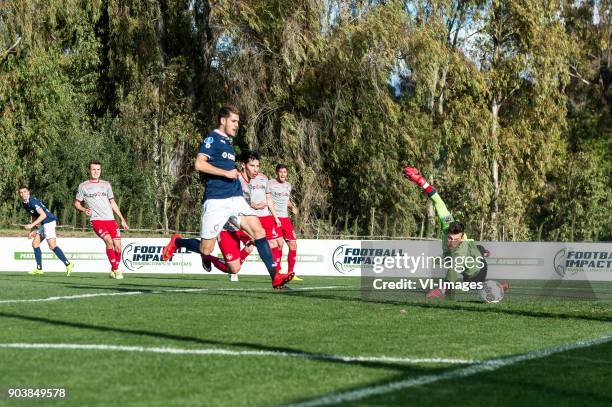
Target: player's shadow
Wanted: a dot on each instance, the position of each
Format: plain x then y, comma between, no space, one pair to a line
298,353
457,306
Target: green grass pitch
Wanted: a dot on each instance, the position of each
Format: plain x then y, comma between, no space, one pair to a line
194,340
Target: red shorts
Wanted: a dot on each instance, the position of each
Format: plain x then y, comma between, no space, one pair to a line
229,243
286,229
269,225
106,227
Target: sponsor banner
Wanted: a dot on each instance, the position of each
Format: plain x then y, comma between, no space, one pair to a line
508,260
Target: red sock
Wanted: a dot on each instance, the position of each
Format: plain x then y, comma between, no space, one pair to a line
118,258
243,255
110,253
277,255
291,259
219,263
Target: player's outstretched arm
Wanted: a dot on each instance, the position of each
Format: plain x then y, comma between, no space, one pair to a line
202,165
117,211
444,216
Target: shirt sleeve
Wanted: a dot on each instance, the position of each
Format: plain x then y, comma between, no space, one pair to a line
444,216
109,192
208,146
80,194
34,203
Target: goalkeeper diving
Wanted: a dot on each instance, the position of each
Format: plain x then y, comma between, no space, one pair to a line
455,243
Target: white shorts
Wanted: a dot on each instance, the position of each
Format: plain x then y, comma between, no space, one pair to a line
217,212
47,230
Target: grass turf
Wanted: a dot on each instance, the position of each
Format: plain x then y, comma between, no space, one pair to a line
332,321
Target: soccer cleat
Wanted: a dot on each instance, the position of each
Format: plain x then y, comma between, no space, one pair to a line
296,278
435,293
504,285
112,274
118,275
233,277
206,264
69,268
36,272
170,248
281,279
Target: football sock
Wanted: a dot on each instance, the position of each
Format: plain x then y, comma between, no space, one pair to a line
110,253
118,257
277,255
243,255
60,255
193,245
38,257
291,259
219,263
263,248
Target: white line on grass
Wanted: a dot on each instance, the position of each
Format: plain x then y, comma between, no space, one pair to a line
181,290
226,352
72,297
486,366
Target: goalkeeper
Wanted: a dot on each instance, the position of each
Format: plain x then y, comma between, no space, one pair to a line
467,258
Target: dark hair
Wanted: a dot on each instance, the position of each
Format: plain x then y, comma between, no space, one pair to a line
23,186
455,227
225,112
280,167
249,155
94,162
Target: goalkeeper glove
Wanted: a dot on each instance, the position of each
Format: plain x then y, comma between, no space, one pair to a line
415,176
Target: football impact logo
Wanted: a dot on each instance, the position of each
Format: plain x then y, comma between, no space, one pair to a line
346,258
559,263
338,261
136,256
569,262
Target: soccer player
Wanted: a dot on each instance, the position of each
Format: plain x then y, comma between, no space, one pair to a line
255,190
455,243
95,198
280,191
45,222
223,200
229,243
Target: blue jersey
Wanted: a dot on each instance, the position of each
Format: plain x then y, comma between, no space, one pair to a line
220,152
32,204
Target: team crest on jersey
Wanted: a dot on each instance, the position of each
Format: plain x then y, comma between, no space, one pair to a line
209,140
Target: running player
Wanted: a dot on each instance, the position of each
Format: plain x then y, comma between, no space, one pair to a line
455,243
95,198
254,188
45,222
280,191
253,185
223,200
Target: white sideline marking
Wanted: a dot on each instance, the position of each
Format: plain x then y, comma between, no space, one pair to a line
181,290
226,352
488,365
72,297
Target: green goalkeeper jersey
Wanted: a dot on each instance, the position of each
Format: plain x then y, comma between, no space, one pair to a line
463,256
